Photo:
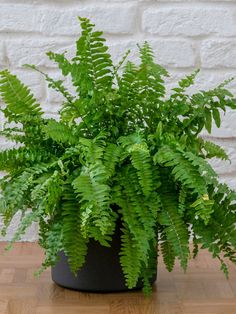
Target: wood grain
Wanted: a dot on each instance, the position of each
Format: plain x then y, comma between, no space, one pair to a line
202,290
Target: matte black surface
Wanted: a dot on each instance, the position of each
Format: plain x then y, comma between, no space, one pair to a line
101,273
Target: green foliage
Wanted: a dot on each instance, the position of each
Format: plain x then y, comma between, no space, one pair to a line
175,230
167,253
60,132
74,243
121,151
130,259
212,150
21,105
50,239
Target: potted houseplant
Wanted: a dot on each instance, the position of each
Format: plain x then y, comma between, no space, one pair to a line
123,170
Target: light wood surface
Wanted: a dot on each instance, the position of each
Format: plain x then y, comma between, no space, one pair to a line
202,290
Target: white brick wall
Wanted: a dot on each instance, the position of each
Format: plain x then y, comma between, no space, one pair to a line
185,34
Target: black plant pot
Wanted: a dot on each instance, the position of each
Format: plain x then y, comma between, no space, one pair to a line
101,272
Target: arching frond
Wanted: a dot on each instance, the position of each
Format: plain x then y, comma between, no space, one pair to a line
21,104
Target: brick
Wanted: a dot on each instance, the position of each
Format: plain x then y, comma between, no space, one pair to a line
2,55
174,53
169,53
58,21
111,19
60,2
189,21
123,1
51,109
218,53
194,1
222,1
230,180
33,51
19,18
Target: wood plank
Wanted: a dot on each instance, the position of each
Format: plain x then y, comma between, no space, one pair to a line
132,307
22,306
4,305
73,309
202,290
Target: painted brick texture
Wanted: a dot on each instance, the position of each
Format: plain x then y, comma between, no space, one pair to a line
185,34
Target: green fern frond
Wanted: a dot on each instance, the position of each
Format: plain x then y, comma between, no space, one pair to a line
168,254
151,88
177,235
138,213
90,184
175,230
60,132
130,110
149,271
186,82
92,150
52,242
213,150
22,157
203,208
75,245
182,200
48,192
146,53
111,158
150,68
206,107
141,160
13,195
15,190
132,139
147,58
140,157
128,81
94,72
130,258
203,166
21,105
94,193
182,169
62,62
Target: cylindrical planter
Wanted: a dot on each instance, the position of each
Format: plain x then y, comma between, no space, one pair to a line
101,272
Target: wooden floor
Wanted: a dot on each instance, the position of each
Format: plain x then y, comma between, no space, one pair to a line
203,290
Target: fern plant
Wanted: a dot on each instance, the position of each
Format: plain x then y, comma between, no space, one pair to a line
120,142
